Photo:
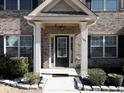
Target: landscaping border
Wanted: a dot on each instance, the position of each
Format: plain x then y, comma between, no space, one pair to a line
21,85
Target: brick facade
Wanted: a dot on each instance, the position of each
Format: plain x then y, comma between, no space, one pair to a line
13,22
108,23
106,62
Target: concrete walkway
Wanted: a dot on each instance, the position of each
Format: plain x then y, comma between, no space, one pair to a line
60,85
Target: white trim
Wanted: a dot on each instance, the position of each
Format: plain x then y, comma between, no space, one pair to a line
103,56
19,46
61,19
4,4
50,58
50,63
122,4
103,42
54,64
54,52
5,45
117,45
18,4
40,8
84,49
72,5
51,5
104,5
37,56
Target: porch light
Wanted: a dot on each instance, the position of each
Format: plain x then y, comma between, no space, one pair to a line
60,27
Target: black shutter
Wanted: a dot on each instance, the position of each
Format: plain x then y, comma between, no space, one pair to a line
121,46
89,40
88,3
1,4
32,46
1,46
35,3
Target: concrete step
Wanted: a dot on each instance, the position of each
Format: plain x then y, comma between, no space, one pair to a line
59,71
76,91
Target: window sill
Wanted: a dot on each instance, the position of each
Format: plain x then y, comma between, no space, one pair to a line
15,10
105,11
122,9
104,58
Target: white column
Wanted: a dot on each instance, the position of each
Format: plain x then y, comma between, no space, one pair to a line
37,47
84,49
83,1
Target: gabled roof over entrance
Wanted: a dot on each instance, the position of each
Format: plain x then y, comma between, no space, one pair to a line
62,10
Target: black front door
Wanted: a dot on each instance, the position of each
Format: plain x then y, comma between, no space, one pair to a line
62,51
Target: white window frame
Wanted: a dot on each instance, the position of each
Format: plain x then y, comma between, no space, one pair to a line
122,4
104,6
4,4
19,36
18,5
116,46
92,46
11,46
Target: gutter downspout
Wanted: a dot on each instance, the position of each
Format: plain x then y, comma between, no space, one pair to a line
31,24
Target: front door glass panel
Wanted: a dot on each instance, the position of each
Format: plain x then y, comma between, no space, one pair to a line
61,47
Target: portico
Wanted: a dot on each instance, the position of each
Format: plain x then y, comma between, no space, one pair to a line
58,20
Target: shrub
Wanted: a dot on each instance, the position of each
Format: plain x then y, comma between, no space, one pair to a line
30,60
18,66
97,76
32,78
115,79
123,68
13,67
3,66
